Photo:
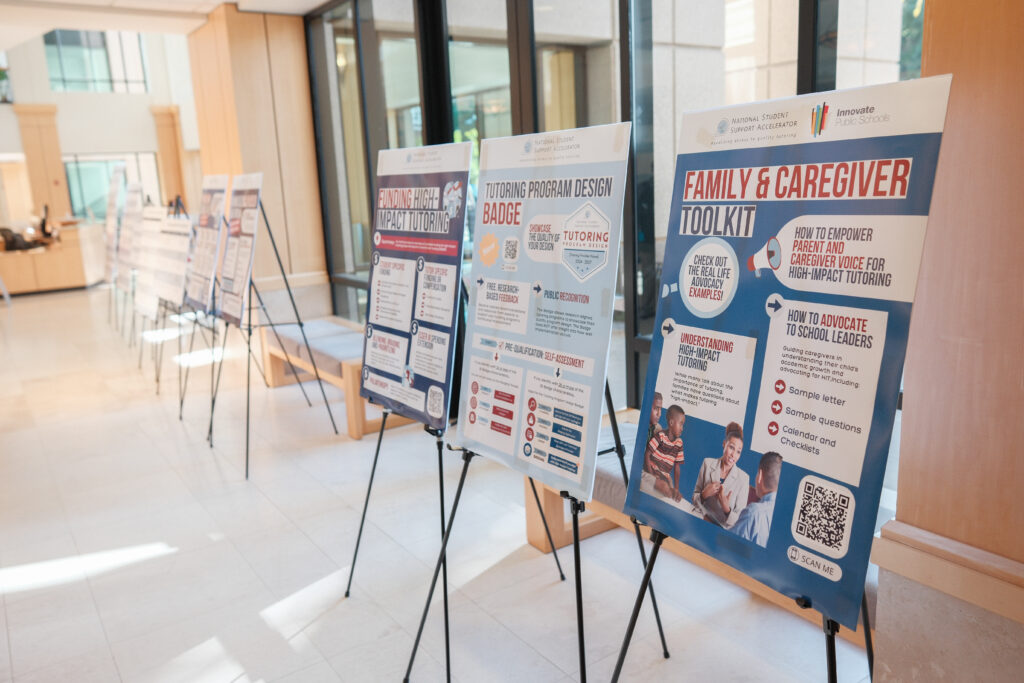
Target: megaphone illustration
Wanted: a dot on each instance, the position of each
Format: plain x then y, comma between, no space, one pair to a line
770,256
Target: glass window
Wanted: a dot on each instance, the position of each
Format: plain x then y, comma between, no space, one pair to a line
94,61
6,97
878,42
88,177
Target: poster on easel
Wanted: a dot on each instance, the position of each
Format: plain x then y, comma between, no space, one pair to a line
541,300
131,222
112,223
239,247
414,287
204,254
794,242
146,247
171,259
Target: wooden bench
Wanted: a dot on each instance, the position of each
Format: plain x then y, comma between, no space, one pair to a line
337,347
604,511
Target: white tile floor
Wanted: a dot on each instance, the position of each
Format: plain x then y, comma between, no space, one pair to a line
130,550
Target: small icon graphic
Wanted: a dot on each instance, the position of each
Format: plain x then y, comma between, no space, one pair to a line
531,419
532,403
474,387
472,417
529,434
818,116
773,428
776,406
780,386
723,127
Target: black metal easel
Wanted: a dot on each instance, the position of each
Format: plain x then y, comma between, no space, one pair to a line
620,450
577,507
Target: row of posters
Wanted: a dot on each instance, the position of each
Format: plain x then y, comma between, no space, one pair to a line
793,246
220,259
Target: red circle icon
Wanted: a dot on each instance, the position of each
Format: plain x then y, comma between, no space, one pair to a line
531,419
776,406
529,434
773,428
474,387
780,386
532,403
472,401
472,417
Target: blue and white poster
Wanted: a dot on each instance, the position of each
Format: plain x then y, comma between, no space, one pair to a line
243,222
204,253
546,251
794,241
415,270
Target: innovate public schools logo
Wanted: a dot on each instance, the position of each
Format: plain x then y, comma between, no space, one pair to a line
818,115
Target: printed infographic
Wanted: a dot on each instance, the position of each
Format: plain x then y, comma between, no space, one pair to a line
131,223
204,254
112,225
239,247
415,283
794,241
542,290
146,247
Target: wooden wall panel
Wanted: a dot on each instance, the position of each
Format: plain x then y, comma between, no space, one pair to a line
169,151
41,146
961,473
286,38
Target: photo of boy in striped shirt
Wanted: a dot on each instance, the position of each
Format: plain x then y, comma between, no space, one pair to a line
663,456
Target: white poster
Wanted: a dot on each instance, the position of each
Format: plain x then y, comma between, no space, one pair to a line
239,247
204,254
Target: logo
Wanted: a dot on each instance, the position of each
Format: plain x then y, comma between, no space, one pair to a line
723,127
527,146
818,116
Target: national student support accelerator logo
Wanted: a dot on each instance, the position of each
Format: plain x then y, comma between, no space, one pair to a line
818,116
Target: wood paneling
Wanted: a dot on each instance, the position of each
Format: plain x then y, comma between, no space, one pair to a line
253,105
41,146
961,473
169,151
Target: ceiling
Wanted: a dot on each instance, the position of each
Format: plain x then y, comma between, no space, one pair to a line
26,19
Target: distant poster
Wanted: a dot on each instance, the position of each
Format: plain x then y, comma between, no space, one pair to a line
131,222
171,259
145,247
113,220
542,292
239,247
794,242
413,300
205,252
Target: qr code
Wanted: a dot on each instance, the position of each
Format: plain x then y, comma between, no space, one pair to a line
511,250
435,402
823,516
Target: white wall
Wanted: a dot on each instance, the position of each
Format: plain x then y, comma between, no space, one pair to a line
10,136
108,123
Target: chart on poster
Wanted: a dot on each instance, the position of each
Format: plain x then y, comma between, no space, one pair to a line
204,254
546,251
414,290
794,242
239,247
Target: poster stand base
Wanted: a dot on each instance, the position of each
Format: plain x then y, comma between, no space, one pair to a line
657,538
620,450
578,507
830,628
467,457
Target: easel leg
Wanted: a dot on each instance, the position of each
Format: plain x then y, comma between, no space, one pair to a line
366,502
620,450
869,645
184,384
577,508
298,318
657,537
248,387
547,529
831,628
142,338
444,559
216,384
287,356
466,457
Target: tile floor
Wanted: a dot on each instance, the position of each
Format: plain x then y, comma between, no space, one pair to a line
130,550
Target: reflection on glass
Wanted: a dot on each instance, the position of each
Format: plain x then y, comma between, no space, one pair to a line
878,42
88,177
